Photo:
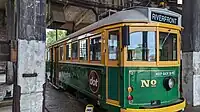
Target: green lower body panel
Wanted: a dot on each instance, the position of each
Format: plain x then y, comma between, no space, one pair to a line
147,83
84,78
113,83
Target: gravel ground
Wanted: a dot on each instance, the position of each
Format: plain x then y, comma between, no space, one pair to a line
190,109
64,102
59,101
6,109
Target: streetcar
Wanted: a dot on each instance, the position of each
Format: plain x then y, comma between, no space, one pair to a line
127,62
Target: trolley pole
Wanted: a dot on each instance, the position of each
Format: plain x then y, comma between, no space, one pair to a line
191,52
31,36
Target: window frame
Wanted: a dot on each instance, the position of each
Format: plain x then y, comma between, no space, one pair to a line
67,50
118,44
173,31
89,55
87,49
145,44
62,52
77,58
119,61
171,56
141,63
157,29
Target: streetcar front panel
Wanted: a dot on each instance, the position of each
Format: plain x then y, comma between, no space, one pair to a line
151,67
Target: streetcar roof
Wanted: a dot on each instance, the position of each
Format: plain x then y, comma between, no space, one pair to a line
137,14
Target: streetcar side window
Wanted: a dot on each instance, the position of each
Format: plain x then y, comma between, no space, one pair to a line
168,46
47,55
68,51
83,45
75,50
95,49
142,46
113,45
61,53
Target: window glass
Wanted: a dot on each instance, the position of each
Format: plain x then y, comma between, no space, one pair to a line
75,50
47,55
68,51
95,49
151,46
61,53
168,46
142,46
113,45
83,49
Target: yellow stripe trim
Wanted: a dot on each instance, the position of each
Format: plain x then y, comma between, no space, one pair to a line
81,63
173,108
113,102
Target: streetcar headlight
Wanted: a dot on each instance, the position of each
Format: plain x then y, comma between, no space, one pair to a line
171,83
168,83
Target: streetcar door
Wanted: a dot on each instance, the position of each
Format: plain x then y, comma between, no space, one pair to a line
56,66
113,66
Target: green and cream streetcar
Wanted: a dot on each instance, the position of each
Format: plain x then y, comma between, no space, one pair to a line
127,62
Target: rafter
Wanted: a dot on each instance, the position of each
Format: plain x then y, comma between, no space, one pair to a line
81,17
89,3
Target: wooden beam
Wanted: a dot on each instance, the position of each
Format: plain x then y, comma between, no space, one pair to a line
81,17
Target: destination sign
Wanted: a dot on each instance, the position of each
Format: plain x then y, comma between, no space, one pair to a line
164,18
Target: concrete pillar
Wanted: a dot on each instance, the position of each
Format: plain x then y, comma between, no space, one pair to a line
191,51
11,37
29,89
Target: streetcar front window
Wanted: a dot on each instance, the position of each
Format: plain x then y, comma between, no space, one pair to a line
168,46
142,46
